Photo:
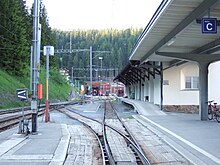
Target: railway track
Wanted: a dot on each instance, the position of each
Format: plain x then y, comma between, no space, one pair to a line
107,133
11,117
120,128
93,127
111,140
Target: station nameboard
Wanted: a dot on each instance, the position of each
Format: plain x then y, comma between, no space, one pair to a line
209,25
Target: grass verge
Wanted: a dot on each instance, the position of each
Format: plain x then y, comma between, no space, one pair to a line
59,89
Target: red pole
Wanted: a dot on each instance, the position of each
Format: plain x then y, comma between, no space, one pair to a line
47,111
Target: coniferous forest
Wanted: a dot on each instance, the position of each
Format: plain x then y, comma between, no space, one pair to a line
113,45
16,39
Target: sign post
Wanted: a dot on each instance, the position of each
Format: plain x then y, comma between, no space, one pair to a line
48,50
22,95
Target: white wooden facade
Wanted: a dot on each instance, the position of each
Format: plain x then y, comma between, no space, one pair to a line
175,89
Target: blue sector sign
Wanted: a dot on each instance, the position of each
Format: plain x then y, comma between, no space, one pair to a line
209,25
21,94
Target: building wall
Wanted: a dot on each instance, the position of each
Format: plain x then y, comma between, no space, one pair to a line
174,92
214,80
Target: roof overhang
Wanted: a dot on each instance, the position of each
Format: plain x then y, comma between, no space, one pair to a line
176,27
134,72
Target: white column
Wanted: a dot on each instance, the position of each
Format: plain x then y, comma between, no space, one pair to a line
151,91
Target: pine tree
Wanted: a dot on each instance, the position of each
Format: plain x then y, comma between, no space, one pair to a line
14,47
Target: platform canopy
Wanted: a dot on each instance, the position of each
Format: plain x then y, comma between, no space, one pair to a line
174,36
179,31
176,27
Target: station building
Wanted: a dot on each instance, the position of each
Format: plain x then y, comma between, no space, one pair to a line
174,62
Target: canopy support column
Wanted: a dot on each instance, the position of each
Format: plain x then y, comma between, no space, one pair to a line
203,88
203,61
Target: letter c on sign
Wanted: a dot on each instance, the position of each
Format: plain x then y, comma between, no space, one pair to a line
209,26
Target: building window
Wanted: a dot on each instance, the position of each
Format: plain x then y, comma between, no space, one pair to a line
191,82
165,82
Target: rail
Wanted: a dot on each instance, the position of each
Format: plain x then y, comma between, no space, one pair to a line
8,121
130,139
134,145
98,137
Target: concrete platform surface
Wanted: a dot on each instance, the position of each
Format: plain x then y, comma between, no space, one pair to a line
143,107
48,146
197,140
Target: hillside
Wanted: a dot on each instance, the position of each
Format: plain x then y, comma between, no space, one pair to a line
113,45
16,34
59,89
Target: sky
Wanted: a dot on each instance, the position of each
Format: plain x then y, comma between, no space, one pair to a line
99,14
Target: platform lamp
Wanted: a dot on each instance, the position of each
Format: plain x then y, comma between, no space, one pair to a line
48,51
101,89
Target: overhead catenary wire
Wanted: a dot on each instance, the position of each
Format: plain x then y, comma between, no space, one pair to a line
12,22
16,43
16,35
7,17
10,32
6,48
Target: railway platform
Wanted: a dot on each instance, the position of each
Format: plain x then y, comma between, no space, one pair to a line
48,146
195,139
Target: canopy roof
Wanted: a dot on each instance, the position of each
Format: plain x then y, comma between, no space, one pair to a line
176,27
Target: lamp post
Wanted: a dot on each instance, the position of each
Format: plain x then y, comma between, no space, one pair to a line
101,58
48,50
90,69
72,76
